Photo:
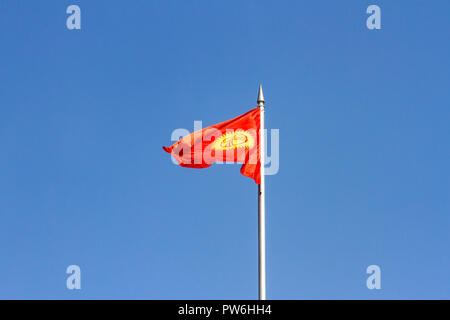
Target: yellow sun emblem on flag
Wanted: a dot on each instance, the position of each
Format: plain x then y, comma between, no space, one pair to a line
234,140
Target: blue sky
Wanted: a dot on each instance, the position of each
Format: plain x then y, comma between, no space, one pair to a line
364,149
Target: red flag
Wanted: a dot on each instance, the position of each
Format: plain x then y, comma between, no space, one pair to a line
235,140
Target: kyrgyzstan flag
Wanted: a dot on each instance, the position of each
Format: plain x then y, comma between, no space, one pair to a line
235,140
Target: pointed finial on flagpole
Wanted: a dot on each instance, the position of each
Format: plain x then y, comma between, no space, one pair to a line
260,96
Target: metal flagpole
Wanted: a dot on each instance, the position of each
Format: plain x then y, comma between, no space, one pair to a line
261,203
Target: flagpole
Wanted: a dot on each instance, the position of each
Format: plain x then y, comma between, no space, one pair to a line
262,204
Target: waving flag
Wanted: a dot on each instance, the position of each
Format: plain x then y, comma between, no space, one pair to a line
235,140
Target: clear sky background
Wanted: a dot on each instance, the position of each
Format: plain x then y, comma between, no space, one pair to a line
364,149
